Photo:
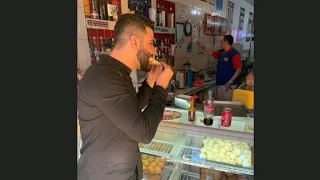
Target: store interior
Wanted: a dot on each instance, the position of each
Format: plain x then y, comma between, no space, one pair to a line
184,149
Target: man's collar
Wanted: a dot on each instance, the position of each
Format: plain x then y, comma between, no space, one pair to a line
106,59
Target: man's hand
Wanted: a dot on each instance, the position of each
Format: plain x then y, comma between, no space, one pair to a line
165,76
153,74
199,44
250,80
227,86
250,77
81,74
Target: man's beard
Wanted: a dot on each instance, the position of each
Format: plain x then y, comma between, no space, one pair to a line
143,57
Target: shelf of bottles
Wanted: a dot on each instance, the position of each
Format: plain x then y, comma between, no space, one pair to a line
101,16
164,18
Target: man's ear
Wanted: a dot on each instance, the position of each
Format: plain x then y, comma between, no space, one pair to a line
135,42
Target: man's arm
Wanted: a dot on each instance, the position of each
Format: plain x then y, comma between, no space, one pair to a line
120,106
236,61
144,94
215,54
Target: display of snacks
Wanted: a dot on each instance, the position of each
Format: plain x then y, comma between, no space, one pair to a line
218,175
155,167
162,143
226,151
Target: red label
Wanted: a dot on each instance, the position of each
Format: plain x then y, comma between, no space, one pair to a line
210,108
192,116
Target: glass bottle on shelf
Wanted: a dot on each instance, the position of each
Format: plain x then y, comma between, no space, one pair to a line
137,9
91,49
146,9
96,49
102,47
86,5
110,11
94,9
163,16
103,10
142,8
112,43
108,46
116,12
158,14
131,7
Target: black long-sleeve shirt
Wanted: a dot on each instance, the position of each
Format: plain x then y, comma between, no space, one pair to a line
112,123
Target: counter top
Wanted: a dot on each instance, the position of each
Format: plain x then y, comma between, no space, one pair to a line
189,91
238,126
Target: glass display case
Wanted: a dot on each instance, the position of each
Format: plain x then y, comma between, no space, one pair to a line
192,150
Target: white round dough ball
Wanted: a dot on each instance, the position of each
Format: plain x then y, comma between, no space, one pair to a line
232,156
247,152
206,146
211,158
203,155
246,164
209,153
222,143
217,146
203,150
228,154
225,160
211,141
248,157
218,159
221,156
238,162
236,151
229,148
210,144
223,150
243,143
214,150
215,156
242,157
246,147
205,141
235,143
232,162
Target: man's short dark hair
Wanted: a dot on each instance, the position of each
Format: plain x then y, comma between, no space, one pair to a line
229,39
130,24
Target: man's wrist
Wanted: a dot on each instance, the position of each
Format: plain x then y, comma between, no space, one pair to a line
150,83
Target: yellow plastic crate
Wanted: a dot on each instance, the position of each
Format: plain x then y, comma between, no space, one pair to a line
244,97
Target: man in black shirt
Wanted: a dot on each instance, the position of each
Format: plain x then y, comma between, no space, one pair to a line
111,121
